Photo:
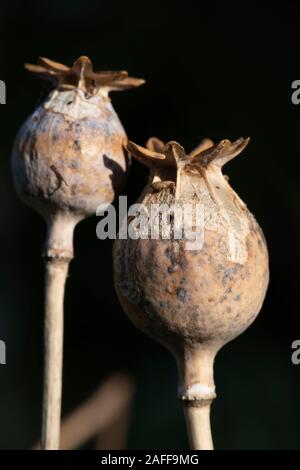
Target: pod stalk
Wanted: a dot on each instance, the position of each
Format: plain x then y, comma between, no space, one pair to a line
196,390
58,253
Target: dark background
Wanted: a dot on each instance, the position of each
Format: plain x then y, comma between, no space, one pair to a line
212,70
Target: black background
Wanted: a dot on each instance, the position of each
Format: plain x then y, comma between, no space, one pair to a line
212,70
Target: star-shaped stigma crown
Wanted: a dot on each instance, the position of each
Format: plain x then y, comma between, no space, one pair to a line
81,75
172,154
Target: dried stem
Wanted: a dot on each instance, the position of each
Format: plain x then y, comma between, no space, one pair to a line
58,253
105,413
198,426
197,390
101,413
115,435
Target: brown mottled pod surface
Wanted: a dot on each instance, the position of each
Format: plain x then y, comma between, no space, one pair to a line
193,299
68,159
68,155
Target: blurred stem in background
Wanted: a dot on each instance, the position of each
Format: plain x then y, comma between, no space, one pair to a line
105,416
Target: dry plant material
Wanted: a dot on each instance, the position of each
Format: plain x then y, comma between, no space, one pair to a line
68,158
104,416
194,300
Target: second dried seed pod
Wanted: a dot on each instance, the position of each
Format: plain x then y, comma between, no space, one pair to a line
193,299
68,158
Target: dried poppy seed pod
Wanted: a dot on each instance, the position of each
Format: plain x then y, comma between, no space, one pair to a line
68,158
194,300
